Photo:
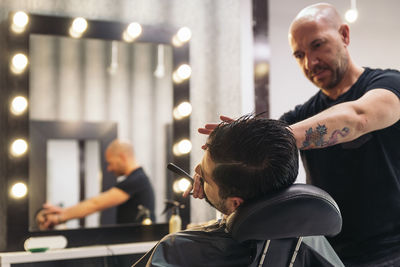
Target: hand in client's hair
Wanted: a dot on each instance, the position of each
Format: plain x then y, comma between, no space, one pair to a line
209,127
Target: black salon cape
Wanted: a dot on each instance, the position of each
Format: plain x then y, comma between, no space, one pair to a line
213,246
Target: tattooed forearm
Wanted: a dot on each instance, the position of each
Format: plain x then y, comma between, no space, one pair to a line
316,137
334,137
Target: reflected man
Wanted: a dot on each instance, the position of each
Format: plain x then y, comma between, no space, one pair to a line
133,196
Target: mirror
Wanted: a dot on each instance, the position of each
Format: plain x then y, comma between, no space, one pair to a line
94,81
91,88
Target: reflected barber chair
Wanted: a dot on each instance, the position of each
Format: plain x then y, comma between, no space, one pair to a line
282,223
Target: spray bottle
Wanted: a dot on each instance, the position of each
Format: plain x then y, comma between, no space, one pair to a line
175,221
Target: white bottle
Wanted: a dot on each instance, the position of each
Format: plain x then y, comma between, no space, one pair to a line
175,222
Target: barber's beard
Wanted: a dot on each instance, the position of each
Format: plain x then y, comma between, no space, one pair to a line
337,69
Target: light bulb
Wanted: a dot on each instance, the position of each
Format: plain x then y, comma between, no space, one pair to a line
184,71
176,78
19,147
132,32
160,69
19,63
182,147
19,190
20,20
184,109
184,34
351,15
181,185
78,27
19,105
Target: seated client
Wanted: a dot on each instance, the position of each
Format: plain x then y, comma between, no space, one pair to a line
243,161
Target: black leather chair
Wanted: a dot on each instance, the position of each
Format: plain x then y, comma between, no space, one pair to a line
284,218
284,228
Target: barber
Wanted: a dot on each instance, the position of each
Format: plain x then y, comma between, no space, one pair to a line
129,195
349,136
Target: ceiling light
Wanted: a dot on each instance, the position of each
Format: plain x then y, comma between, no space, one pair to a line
160,69
352,14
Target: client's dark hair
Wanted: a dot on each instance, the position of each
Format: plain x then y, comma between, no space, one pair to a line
253,156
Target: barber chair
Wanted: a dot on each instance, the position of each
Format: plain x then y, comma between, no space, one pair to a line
286,228
280,222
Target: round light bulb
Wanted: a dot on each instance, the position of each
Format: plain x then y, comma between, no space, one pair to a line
176,78
184,34
79,25
19,190
181,185
20,20
182,147
19,147
19,105
351,15
184,71
184,109
175,41
132,32
19,63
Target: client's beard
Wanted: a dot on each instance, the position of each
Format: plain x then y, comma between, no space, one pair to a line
220,206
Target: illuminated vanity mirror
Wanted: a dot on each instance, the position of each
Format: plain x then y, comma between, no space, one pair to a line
84,87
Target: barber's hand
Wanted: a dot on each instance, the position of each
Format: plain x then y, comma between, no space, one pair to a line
209,127
198,191
48,217
51,221
41,219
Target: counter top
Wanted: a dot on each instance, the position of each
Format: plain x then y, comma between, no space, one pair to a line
8,258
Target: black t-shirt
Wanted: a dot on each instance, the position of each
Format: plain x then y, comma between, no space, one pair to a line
363,175
138,186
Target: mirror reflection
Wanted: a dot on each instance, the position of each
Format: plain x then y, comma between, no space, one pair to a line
99,81
74,188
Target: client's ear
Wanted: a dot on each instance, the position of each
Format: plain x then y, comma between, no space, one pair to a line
234,203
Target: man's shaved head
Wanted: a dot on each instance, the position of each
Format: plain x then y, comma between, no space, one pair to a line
120,146
322,13
120,157
319,39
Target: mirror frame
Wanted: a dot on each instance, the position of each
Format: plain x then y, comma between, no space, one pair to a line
14,226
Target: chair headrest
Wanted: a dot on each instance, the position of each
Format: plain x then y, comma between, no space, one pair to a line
300,210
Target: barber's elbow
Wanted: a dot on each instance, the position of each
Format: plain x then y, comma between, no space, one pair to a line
361,125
